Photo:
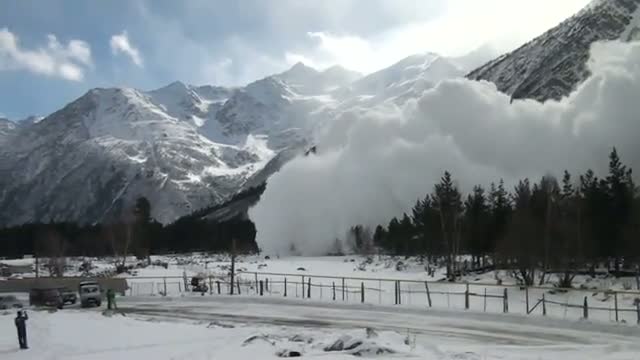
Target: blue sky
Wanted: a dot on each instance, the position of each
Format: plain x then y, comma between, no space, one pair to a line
53,51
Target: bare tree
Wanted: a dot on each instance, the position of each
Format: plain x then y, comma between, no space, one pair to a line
119,237
53,246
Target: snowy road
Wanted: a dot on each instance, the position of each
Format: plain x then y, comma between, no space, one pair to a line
438,326
221,327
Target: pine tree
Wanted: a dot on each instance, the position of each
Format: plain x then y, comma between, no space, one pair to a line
545,200
476,221
393,236
569,230
447,200
379,236
621,191
142,216
500,207
407,231
520,243
426,223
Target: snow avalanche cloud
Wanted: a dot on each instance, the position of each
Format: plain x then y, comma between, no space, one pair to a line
372,164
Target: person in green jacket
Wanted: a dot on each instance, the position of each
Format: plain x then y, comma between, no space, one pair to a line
111,299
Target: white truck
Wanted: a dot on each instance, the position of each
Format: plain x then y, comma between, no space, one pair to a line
90,293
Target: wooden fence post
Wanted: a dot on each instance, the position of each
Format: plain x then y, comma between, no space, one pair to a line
261,289
362,292
638,310
218,285
399,293
266,284
395,293
210,285
309,288
342,289
485,300
333,287
505,301
426,285
466,297
238,283
526,292
302,286
544,306
615,298
164,280
256,277
285,286
585,309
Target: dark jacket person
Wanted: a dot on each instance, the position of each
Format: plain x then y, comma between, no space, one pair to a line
21,326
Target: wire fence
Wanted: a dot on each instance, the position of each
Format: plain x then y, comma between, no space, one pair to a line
599,304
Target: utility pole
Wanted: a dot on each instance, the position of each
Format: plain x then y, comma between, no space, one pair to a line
233,263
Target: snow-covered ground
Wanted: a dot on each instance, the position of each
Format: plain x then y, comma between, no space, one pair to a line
377,274
227,327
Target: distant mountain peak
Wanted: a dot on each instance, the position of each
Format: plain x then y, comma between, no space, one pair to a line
298,73
300,66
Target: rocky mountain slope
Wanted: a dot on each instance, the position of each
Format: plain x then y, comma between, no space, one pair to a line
184,147
551,65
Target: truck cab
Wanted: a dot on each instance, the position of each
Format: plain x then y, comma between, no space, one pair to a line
90,293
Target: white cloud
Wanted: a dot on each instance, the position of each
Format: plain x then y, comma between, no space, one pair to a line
372,164
120,44
463,26
56,59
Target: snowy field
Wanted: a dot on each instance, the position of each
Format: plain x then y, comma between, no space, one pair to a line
376,274
185,325
250,328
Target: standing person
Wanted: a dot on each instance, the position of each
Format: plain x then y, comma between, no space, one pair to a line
21,326
109,294
111,300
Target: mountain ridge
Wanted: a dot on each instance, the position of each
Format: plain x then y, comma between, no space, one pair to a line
551,65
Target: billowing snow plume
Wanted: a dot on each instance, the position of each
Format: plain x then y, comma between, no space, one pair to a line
373,164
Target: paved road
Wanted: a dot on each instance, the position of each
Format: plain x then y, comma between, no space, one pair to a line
443,326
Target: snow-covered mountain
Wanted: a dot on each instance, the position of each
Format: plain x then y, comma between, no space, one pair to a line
405,79
6,126
91,159
189,147
306,80
183,147
551,65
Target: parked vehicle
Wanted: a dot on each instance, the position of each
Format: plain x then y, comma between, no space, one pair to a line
199,284
90,293
46,297
10,302
68,296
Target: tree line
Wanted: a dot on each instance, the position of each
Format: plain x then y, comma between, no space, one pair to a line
139,235
538,227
